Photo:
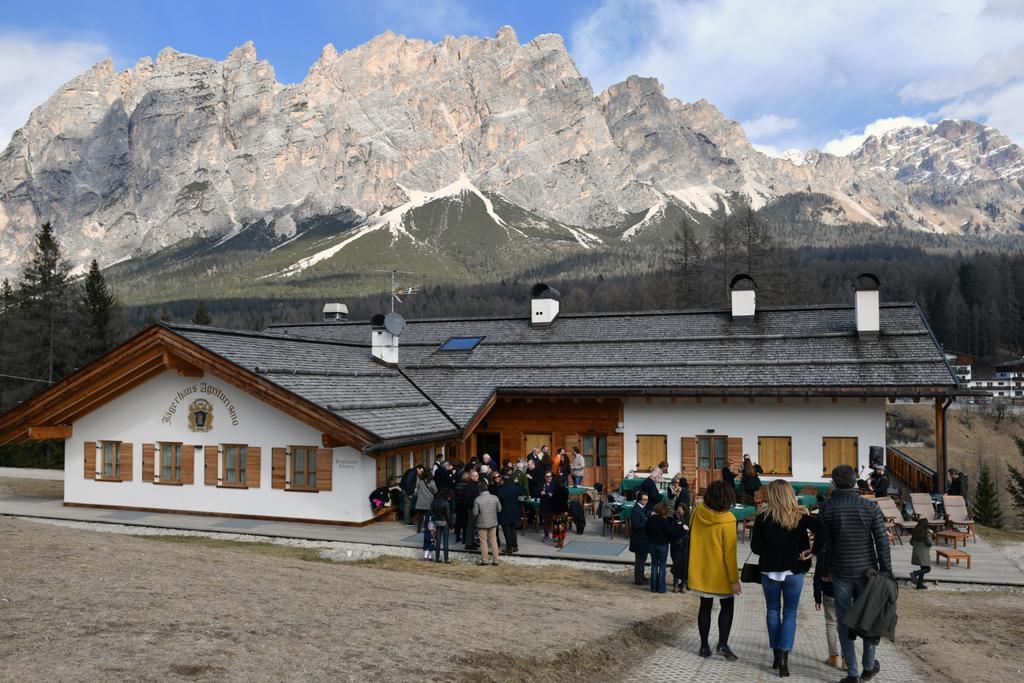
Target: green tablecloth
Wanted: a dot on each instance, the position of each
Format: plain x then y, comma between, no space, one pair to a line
807,500
631,484
577,490
741,512
822,486
627,510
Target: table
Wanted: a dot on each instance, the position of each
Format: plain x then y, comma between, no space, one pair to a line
954,535
823,487
630,484
742,512
955,555
807,500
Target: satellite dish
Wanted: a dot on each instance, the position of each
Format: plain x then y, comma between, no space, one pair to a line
394,323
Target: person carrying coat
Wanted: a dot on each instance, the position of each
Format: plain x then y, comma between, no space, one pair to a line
638,537
425,491
509,493
713,572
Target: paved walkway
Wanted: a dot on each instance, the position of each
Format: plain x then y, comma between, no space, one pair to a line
989,565
679,660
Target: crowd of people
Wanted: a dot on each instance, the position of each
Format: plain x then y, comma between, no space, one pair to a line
482,503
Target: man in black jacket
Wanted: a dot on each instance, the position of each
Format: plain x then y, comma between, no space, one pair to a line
408,486
858,543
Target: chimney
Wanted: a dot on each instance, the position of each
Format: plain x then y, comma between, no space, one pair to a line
384,333
543,304
337,312
743,291
865,304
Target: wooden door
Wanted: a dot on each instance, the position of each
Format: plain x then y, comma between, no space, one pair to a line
712,454
531,441
651,449
595,452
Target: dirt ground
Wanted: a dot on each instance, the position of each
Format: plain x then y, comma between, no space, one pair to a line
964,636
32,487
83,605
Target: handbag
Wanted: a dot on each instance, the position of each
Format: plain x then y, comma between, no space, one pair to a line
751,572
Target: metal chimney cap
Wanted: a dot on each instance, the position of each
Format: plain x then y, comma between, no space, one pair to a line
543,291
866,282
377,321
742,281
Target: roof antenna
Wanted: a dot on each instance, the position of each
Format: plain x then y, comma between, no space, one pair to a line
396,292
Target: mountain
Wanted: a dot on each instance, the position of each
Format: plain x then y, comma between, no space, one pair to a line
461,158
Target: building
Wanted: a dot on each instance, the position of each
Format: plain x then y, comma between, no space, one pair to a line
1012,374
961,364
303,421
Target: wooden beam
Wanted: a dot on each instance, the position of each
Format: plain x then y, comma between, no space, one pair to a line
330,441
42,433
917,399
184,368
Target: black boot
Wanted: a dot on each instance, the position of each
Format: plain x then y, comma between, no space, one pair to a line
776,658
784,665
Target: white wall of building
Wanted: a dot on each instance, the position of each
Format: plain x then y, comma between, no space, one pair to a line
806,423
143,416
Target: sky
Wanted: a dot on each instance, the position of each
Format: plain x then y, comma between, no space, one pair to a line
796,74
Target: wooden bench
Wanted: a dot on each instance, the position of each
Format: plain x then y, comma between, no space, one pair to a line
954,555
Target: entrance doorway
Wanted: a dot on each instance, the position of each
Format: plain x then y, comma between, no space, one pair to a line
531,441
489,442
595,452
711,458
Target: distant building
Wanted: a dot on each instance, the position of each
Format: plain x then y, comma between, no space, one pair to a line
961,364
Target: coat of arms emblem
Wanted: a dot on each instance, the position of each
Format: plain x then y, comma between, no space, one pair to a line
200,416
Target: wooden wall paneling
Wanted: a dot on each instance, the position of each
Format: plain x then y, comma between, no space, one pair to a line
616,468
89,469
210,465
734,453
124,461
188,464
382,469
689,458
277,468
148,461
324,469
253,463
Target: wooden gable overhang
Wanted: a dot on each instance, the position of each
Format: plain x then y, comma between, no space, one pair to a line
151,352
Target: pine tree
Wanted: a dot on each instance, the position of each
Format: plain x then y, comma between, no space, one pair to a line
986,510
100,307
1016,483
44,296
202,315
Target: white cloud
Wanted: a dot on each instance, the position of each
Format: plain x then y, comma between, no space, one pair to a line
769,125
31,68
846,144
827,64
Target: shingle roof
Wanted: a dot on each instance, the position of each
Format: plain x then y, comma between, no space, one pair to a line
802,350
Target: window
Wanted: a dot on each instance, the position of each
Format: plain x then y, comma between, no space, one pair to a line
170,462
651,449
428,456
461,343
234,465
711,452
394,467
838,450
595,451
775,455
111,460
304,467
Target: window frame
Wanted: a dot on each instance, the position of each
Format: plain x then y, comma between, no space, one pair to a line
241,465
461,338
760,458
597,458
174,481
711,439
309,454
116,466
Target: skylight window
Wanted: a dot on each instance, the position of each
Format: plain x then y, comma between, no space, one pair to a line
461,343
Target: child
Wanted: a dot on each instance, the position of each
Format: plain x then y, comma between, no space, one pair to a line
921,541
428,539
825,594
679,547
561,526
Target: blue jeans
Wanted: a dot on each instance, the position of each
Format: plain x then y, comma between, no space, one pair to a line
782,599
442,533
577,480
659,559
846,592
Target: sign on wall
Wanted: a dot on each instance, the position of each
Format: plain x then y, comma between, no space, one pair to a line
202,406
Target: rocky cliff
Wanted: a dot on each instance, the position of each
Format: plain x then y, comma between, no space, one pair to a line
183,148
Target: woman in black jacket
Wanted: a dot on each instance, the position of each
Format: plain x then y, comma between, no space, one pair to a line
659,534
749,481
559,511
781,542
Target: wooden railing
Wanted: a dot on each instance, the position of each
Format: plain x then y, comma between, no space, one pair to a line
917,477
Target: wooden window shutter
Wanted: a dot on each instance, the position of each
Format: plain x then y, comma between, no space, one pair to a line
689,448
734,452
124,457
188,464
148,461
90,460
324,468
253,456
572,441
277,465
210,465
382,470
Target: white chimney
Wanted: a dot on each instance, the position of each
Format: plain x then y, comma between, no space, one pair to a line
335,312
384,333
743,291
543,304
865,304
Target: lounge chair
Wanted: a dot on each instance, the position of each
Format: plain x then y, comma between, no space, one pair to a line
957,514
893,519
923,508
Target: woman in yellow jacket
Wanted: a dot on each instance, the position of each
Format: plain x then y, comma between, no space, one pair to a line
713,572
